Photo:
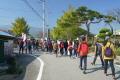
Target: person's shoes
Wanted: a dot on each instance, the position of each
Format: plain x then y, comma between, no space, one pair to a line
92,63
80,68
114,77
84,72
106,74
102,67
74,57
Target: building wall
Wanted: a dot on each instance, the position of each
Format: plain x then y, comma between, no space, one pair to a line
8,47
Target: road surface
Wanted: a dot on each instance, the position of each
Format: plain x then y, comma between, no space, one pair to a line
65,68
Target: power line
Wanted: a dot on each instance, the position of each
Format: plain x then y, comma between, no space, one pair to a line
43,17
28,4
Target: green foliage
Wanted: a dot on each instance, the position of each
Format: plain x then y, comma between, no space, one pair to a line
101,35
67,26
108,20
13,68
87,16
20,26
68,19
104,32
55,33
67,33
118,51
75,18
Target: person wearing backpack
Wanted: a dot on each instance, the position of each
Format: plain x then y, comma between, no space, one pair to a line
55,48
29,45
75,46
66,47
61,46
108,54
98,52
83,49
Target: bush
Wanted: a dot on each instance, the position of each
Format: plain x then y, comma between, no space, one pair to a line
90,43
13,68
92,49
117,51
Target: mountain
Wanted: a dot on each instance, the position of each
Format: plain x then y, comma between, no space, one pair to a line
34,31
5,27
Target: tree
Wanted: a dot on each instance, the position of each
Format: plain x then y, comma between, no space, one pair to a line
20,26
66,27
116,14
113,15
67,33
56,33
68,19
88,17
104,32
108,20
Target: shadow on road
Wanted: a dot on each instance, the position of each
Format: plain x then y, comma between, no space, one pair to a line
23,61
91,70
118,77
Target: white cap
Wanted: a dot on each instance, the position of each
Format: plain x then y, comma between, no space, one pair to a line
107,37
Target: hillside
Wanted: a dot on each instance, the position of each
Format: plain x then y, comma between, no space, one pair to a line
34,31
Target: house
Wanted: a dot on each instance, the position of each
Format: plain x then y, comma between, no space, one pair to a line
6,45
117,34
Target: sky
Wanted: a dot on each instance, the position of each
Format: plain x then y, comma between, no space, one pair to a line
12,9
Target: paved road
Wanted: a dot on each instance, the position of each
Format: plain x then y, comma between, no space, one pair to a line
64,68
30,66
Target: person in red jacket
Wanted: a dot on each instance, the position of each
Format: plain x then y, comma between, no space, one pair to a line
83,52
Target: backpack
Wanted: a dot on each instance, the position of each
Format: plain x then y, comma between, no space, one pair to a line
55,46
84,49
75,46
49,43
98,48
61,45
108,51
70,47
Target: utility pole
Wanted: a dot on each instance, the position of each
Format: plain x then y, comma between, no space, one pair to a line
43,19
47,30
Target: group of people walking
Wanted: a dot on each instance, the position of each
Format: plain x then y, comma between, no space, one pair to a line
104,50
76,49
62,47
80,49
28,46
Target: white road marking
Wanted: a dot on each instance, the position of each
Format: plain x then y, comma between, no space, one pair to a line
39,77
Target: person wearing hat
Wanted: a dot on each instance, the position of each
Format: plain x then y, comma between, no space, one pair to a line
108,55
